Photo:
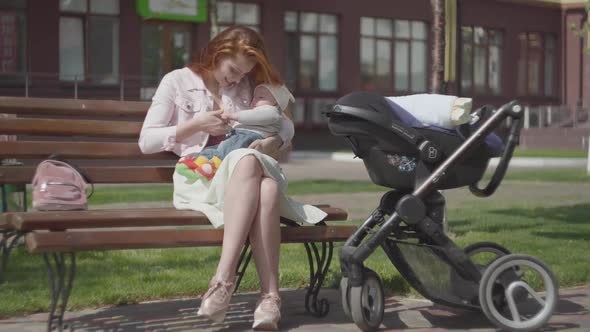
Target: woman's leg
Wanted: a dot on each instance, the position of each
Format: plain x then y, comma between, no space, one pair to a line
265,237
242,196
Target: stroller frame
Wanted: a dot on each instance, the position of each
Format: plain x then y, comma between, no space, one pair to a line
422,212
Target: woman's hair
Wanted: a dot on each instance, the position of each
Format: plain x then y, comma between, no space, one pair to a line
234,40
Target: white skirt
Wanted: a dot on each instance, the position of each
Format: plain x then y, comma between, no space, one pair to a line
207,196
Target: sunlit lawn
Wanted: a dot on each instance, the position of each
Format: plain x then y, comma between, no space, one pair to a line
557,235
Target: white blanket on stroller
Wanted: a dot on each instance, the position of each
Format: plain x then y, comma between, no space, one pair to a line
434,109
207,196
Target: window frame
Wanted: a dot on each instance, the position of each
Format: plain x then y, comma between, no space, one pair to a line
393,41
85,17
488,91
314,92
307,98
258,26
9,79
542,70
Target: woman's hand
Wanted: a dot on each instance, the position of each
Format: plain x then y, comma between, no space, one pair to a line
227,116
212,123
269,145
209,122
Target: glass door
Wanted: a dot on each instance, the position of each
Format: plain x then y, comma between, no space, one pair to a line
165,46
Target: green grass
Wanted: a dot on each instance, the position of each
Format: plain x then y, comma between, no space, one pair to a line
550,175
557,235
157,193
306,187
550,153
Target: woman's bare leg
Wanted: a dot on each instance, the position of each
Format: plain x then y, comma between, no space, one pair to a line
265,237
242,196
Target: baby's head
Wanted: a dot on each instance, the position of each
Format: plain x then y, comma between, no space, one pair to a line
273,95
262,96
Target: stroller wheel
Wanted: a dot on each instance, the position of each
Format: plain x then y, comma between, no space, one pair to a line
367,302
345,296
518,293
484,253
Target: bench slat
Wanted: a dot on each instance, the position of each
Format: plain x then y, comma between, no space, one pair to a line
113,240
62,220
98,174
77,150
76,107
64,127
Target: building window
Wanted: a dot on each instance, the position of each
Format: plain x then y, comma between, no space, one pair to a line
536,64
237,13
12,40
311,64
481,61
312,52
89,41
393,55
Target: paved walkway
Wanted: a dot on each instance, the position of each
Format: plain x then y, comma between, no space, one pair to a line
401,314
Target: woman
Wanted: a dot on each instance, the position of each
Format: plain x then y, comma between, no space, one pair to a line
185,117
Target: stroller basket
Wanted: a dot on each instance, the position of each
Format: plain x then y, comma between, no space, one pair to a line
428,271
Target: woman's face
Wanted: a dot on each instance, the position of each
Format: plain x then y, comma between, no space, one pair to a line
232,69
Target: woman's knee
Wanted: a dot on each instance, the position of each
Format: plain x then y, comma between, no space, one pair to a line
269,192
270,186
249,166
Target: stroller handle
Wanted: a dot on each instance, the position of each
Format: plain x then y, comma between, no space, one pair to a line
514,111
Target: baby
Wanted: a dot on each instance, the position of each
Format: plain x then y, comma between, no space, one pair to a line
263,120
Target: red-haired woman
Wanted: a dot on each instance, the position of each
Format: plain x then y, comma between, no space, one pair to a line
185,117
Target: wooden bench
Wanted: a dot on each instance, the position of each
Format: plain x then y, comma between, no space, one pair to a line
101,137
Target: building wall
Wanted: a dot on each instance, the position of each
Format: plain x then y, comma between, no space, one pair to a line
43,35
130,45
513,19
572,80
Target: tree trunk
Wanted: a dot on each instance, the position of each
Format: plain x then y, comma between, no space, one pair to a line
437,75
438,46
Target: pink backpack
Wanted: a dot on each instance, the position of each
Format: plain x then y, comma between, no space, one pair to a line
58,185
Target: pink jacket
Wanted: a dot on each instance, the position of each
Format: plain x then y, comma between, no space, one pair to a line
181,96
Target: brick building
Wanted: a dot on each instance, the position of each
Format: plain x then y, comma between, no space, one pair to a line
119,49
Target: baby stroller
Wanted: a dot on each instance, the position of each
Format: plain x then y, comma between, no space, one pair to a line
417,161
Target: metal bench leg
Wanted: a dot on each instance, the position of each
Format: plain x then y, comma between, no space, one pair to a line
8,242
242,265
319,263
61,280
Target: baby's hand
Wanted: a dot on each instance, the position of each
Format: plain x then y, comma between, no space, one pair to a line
229,116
